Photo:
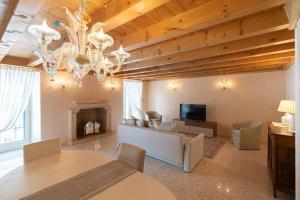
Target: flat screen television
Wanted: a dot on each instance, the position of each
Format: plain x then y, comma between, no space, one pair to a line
193,111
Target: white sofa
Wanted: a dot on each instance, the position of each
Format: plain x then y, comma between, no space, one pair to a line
171,147
183,128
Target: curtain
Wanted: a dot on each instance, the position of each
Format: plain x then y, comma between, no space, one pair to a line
16,84
132,99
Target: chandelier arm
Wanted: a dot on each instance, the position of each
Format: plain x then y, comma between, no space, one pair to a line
117,69
71,35
44,51
82,38
83,53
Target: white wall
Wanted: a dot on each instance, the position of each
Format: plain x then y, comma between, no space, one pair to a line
290,82
251,96
55,102
297,89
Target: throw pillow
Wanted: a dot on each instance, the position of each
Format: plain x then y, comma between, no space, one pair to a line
156,123
129,122
146,123
140,123
167,126
150,123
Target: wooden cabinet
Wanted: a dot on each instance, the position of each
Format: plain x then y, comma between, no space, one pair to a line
209,128
281,160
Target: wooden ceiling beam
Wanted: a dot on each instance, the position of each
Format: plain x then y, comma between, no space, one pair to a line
169,68
219,72
19,16
206,15
247,71
118,13
12,5
265,51
265,40
208,68
249,26
8,15
11,60
33,61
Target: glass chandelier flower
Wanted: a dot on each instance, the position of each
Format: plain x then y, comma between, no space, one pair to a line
83,53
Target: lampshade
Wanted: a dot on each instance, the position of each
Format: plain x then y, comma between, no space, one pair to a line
287,106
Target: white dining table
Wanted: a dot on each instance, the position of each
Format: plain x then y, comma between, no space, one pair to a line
49,170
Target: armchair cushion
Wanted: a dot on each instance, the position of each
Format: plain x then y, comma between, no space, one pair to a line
153,115
246,135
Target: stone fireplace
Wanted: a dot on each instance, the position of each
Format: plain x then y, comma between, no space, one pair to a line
83,112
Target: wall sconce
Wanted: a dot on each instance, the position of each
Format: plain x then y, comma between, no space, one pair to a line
112,85
60,83
174,86
224,85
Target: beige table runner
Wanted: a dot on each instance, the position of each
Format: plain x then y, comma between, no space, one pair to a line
85,185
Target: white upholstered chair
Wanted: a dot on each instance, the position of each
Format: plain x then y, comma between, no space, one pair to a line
132,155
246,135
153,115
39,149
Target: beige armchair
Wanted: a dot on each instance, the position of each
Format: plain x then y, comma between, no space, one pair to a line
153,115
246,135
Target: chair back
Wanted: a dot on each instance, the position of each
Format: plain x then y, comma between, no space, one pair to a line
247,124
152,115
40,149
132,156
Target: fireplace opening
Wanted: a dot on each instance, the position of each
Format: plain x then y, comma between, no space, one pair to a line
88,121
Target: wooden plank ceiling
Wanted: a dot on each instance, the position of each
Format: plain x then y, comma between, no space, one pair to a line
166,38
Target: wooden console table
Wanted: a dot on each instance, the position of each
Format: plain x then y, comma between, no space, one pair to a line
209,128
281,159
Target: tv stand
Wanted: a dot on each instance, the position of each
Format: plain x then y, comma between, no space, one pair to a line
197,126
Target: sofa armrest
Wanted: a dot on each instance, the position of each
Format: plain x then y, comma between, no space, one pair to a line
193,152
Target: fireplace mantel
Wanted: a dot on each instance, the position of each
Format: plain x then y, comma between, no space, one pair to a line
79,105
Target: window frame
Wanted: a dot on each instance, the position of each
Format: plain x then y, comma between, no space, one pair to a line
10,146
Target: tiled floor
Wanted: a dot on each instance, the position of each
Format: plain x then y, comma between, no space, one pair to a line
231,175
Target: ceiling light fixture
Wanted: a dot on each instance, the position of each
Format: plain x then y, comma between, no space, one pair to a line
83,53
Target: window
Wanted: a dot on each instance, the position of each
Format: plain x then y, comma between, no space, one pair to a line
17,86
132,98
15,133
18,135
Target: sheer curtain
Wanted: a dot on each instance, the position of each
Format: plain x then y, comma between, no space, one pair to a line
16,84
132,98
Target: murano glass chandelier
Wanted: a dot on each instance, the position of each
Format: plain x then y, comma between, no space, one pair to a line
83,53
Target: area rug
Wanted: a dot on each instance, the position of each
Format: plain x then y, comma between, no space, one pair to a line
212,146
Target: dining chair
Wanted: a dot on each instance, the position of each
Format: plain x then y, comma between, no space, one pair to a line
132,156
40,149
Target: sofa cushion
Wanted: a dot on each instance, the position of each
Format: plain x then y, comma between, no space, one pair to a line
166,126
129,122
140,123
150,124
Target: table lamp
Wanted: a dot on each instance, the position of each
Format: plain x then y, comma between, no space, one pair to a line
288,107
